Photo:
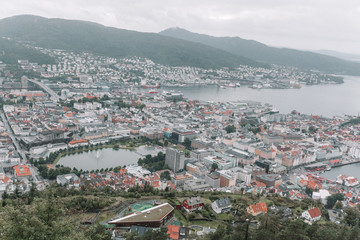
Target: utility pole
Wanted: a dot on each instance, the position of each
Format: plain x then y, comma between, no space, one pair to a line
247,228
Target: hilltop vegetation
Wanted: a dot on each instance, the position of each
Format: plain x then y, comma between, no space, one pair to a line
260,52
56,213
81,36
174,47
11,52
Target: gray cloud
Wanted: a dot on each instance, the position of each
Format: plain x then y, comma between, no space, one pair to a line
305,24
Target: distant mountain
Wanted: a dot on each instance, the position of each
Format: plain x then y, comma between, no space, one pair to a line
11,51
345,56
272,55
82,36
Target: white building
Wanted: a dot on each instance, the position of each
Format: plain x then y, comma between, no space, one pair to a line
221,205
4,155
312,215
322,195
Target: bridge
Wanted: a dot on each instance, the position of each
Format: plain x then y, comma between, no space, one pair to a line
53,94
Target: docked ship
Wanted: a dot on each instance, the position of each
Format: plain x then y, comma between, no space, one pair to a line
230,85
152,91
150,86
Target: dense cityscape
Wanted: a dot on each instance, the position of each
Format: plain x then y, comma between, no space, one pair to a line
229,162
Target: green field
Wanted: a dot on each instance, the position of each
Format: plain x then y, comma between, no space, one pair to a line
138,207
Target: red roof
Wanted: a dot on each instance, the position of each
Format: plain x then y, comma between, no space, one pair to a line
349,195
259,207
155,184
335,161
171,185
5,180
22,171
173,231
314,212
78,141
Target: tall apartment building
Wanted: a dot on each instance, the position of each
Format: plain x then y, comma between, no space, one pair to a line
24,82
175,159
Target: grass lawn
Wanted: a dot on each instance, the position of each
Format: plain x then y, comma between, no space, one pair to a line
212,224
223,216
106,216
181,218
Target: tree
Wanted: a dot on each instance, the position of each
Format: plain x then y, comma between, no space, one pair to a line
293,230
269,227
309,191
312,129
187,143
5,196
352,216
221,233
214,166
97,232
355,233
339,205
160,234
165,175
46,219
230,129
331,200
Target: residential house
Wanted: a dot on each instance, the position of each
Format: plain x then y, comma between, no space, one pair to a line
257,209
221,205
312,215
192,204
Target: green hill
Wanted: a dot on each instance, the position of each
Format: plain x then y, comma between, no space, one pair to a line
11,51
263,53
81,36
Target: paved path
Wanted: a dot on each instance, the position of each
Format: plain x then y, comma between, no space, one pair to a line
13,138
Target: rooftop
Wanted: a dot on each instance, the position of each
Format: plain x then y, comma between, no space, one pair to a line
149,215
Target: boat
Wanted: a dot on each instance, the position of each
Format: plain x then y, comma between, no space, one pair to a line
230,85
151,86
328,168
97,154
152,91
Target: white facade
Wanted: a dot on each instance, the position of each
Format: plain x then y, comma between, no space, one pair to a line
4,155
9,108
244,175
221,205
308,217
354,152
322,195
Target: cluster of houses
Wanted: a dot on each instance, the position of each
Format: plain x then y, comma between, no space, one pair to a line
92,71
240,146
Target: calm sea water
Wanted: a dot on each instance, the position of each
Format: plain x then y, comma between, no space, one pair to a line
325,100
350,170
107,158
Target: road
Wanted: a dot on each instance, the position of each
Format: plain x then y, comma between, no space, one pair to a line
14,140
40,182
53,94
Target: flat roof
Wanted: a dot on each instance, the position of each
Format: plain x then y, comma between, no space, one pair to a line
156,213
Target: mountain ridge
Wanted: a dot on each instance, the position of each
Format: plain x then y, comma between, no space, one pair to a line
77,35
260,52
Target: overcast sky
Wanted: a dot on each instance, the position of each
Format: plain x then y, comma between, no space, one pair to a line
301,24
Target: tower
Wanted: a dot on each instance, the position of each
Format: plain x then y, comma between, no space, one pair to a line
175,159
24,82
